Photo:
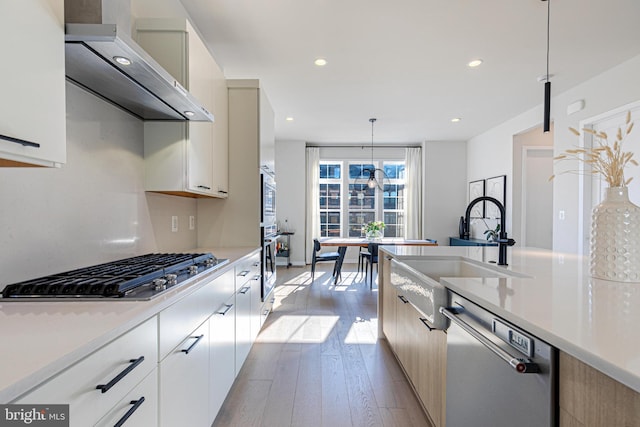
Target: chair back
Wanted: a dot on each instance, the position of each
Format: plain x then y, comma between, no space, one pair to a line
316,245
373,250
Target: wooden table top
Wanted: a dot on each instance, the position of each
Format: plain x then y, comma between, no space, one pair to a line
361,241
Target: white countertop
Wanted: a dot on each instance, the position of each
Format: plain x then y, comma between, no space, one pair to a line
40,339
596,321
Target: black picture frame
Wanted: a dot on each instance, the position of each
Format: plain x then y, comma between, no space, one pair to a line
477,189
495,187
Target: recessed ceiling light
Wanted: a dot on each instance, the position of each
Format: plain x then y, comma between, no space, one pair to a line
289,119
475,63
320,62
455,120
122,60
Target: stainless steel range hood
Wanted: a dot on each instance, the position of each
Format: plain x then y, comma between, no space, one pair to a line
142,87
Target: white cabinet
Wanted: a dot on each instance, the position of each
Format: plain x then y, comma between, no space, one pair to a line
184,382
222,357
94,386
32,105
139,407
248,303
186,158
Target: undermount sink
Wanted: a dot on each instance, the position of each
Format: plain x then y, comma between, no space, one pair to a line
419,282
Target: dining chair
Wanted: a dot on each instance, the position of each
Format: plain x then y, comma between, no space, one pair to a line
324,257
371,256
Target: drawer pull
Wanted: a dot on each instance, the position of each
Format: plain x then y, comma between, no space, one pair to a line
204,187
22,142
244,290
403,299
257,277
134,362
226,310
424,321
256,264
243,273
198,338
136,404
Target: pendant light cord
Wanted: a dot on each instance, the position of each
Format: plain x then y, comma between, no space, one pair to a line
548,31
372,120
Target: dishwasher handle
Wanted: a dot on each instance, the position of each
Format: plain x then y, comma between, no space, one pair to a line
522,366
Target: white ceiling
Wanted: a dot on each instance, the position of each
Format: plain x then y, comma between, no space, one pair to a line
404,62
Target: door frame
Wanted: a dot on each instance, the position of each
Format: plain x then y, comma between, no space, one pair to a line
523,191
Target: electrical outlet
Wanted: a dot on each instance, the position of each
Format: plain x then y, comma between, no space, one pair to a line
192,222
561,215
174,224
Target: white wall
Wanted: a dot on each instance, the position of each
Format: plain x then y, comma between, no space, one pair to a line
444,188
290,164
93,209
490,153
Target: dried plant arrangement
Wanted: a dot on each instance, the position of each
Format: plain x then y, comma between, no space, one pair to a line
604,158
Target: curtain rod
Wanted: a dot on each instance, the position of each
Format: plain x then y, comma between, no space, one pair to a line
364,146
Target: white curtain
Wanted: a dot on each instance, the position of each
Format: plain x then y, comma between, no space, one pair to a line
413,194
313,200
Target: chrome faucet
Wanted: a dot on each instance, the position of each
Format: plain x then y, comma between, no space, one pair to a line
503,241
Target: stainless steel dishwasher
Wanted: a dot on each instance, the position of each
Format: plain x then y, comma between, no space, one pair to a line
497,374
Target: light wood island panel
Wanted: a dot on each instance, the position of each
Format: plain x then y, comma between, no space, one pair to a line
589,398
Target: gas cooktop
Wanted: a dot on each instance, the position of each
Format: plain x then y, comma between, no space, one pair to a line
141,278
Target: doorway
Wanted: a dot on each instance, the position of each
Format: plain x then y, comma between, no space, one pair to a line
532,192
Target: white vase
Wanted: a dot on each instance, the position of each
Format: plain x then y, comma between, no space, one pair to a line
615,238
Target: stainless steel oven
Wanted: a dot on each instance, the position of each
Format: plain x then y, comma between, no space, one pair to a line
269,232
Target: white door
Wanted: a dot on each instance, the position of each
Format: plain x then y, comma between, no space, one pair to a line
537,197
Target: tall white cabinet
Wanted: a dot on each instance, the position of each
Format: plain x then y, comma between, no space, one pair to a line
32,105
186,158
251,138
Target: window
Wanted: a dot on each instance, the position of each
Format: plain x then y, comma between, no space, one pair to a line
343,213
330,199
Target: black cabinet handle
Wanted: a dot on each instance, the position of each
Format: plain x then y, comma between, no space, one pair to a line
257,277
424,321
136,404
403,299
198,338
204,186
20,141
134,362
223,192
243,273
226,310
244,290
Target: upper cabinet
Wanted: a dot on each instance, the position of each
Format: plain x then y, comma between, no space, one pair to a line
186,158
32,105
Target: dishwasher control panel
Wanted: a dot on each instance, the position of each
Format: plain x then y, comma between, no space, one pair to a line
513,337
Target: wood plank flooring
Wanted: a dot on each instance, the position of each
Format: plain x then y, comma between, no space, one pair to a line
318,363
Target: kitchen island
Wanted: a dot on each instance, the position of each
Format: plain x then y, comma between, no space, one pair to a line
552,296
43,340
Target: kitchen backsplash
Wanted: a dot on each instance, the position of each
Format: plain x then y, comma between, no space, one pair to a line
93,209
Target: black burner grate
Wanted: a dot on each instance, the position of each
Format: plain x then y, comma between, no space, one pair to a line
112,279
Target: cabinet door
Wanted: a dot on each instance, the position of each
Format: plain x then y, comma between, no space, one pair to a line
243,324
220,134
139,406
389,298
32,105
407,342
222,358
431,371
184,382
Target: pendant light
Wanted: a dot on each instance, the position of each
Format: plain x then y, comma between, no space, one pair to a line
372,183
547,83
377,177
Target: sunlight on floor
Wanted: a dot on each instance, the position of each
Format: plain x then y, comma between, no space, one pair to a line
299,329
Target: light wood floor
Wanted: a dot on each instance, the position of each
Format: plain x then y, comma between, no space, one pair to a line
317,361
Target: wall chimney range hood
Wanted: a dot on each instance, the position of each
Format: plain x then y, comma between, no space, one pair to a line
102,58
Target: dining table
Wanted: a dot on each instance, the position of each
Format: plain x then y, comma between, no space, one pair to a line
344,242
